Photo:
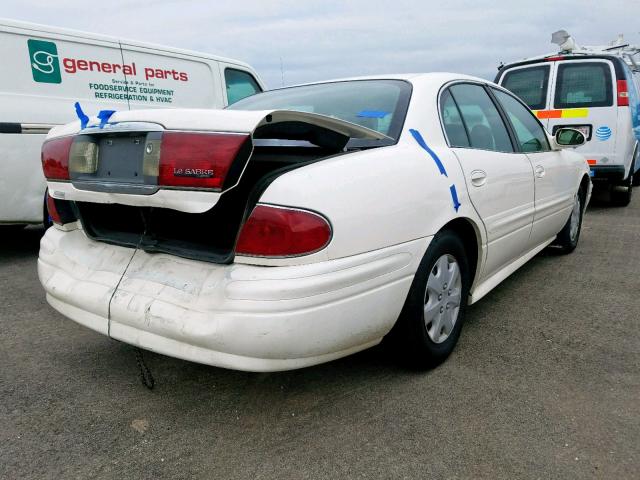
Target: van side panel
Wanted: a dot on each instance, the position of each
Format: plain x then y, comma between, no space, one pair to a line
45,74
47,70
50,72
169,80
22,184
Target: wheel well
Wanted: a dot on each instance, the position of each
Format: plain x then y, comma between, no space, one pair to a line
584,186
466,230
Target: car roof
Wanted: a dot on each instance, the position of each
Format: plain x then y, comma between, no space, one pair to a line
428,77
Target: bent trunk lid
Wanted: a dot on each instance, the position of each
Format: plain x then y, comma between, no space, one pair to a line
122,141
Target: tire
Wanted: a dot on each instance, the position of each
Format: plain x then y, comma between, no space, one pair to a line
621,194
11,229
568,237
636,176
424,337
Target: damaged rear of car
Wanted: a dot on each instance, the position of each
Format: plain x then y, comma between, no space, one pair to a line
185,231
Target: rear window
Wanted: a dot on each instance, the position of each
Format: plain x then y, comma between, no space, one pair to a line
380,105
530,84
584,84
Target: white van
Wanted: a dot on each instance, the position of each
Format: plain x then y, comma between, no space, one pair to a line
595,91
46,70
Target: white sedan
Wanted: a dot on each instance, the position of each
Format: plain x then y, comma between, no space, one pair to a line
305,223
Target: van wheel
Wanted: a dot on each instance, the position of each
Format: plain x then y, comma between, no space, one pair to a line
568,237
636,176
11,229
432,317
621,194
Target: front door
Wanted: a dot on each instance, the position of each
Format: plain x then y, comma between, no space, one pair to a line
554,176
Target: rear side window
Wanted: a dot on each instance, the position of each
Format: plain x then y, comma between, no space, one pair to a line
452,122
484,124
529,132
530,84
239,85
584,84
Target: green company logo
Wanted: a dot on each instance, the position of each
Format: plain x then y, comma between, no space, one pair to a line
43,57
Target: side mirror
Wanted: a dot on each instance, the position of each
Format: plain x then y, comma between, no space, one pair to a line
569,137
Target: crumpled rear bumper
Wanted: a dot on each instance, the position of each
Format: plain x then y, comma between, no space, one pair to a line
235,316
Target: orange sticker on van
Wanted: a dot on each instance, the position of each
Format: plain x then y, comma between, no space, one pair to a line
564,113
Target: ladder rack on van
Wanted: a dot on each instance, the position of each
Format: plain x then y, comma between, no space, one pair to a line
617,47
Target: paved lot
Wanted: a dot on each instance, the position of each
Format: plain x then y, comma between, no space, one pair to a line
545,383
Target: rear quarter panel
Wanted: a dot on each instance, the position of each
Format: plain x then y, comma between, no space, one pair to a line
385,196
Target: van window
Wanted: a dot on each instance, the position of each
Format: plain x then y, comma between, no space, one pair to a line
529,132
452,122
530,84
584,84
484,124
239,85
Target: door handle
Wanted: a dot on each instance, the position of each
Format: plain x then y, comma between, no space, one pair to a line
539,171
478,178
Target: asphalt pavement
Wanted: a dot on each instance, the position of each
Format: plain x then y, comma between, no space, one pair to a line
544,383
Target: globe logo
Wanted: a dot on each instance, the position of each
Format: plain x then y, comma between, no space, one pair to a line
603,133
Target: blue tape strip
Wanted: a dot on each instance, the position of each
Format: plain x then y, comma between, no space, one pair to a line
372,114
454,197
81,115
424,145
104,116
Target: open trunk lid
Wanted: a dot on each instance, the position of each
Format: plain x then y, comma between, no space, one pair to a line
128,191
128,144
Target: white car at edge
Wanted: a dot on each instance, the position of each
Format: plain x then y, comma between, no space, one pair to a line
306,223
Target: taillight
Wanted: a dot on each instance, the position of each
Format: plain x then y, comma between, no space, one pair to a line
197,160
282,232
55,158
555,58
53,211
60,211
623,93
83,156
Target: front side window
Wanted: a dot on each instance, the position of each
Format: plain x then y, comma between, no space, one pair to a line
240,85
486,129
583,84
452,121
530,84
529,132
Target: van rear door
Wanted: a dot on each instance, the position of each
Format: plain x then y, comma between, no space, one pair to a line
583,96
171,80
531,84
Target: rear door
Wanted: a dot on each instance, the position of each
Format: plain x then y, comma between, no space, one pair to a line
499,179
